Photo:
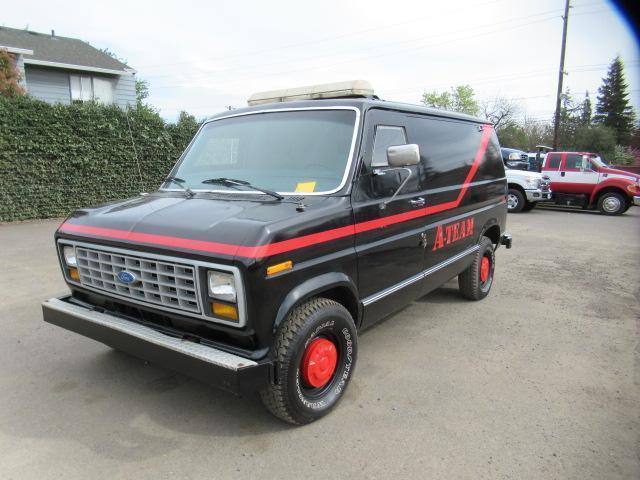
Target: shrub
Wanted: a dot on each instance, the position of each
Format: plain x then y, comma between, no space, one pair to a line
57,158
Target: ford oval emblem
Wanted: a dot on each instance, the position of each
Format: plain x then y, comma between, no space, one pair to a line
126,277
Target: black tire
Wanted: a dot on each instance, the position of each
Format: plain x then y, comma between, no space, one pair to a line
612,203
470,284
289,398
515,200
529,206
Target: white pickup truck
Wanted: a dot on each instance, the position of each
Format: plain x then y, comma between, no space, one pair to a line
526,188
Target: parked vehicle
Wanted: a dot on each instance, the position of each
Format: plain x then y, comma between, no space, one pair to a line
284,230
526,189
583,179
535,161
515,159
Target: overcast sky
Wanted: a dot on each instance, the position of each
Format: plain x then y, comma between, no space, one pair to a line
203,56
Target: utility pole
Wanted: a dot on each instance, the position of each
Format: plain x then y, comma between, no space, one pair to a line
556,123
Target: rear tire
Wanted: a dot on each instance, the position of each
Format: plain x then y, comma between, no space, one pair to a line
515,200
612,203
298,396
475,282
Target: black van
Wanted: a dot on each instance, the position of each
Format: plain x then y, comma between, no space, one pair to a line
284,230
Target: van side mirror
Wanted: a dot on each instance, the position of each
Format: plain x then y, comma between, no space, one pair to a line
399,157
403,155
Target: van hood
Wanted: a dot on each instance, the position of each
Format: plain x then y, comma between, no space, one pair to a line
207,224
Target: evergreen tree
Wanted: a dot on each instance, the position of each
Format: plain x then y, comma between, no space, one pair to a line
613,109
585,115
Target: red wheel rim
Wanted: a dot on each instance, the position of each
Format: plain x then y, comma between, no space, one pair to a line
485,266
319,362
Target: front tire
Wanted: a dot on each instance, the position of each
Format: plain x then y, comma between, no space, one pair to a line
475,282
314,355
612,203
529,206
515,200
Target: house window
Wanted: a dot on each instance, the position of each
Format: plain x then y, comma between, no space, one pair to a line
85,88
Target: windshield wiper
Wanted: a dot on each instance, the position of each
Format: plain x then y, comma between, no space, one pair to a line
242,183
180,181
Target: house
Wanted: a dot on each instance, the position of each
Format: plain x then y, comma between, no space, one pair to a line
62,70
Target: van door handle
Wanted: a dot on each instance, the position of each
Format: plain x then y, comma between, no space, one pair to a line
417,202
562,174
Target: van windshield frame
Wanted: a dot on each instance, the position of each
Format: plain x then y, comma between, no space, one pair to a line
198,187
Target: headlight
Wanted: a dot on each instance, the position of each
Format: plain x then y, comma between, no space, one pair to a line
633,188
69,254
222,286
532,182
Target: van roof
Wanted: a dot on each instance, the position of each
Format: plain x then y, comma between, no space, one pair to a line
360,103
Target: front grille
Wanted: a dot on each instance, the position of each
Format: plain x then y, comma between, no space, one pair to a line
157,282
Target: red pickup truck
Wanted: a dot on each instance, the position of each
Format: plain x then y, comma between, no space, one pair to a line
583,179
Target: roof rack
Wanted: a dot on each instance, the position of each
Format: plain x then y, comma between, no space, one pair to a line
353,88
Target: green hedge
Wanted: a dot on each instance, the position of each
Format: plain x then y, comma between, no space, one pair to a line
56,158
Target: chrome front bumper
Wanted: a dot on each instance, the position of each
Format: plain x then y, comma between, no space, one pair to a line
206,363
636,200
537,195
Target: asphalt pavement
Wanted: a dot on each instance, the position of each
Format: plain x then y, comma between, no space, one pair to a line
539,380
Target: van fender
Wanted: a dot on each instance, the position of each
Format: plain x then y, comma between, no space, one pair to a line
489,224
314,286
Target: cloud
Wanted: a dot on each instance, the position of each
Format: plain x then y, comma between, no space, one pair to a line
203,56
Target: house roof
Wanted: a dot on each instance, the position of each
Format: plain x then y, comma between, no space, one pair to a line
61,52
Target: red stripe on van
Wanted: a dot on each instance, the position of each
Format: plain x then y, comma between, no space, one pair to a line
261,251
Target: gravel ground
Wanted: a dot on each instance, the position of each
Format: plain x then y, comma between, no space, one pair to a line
539,380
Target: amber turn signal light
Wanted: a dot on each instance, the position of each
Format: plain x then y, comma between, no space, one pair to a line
279,267
73,273
224,310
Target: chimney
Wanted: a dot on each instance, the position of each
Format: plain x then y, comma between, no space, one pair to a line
53,33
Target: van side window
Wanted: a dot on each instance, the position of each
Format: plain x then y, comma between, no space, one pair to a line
447,150
554,161
386,136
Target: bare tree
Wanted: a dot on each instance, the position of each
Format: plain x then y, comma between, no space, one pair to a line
500,111
536,132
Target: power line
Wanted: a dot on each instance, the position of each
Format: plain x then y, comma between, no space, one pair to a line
509,76
454,34
321,40
403,51
397,52
336,37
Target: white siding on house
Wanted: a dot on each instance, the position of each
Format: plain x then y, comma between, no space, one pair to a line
125,91
48,84
52,85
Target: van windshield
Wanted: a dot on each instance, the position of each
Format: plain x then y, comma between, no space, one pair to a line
303,151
